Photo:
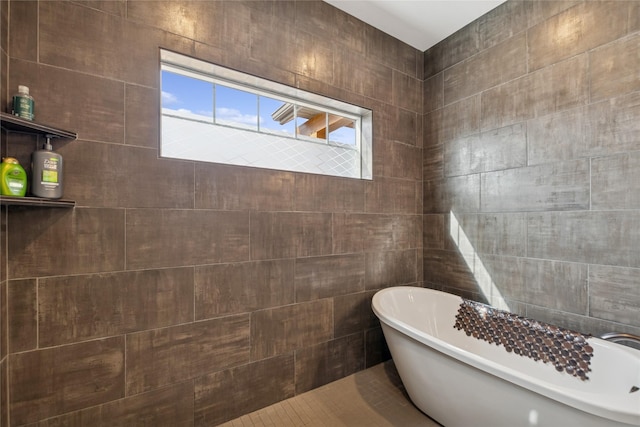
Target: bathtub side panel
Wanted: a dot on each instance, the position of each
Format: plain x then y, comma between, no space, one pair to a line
458,395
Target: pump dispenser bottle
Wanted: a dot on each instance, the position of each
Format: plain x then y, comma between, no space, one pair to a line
46,166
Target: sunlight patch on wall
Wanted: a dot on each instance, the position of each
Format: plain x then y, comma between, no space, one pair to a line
483,279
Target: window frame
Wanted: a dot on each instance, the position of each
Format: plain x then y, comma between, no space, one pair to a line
217,75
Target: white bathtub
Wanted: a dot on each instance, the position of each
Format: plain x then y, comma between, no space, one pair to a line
459,380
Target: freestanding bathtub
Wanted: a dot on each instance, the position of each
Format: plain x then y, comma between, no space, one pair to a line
454,374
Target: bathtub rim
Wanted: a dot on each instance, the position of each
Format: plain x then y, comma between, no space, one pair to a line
604,406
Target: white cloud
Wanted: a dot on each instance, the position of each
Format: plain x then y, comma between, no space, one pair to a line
236,116
169,98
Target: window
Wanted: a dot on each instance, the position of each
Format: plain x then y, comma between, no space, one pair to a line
214,114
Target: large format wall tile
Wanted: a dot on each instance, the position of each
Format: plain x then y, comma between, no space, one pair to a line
94,45
576,30
390,51
167,238
78,308
320,66
553,284
383,269
162,15
22,44
493,150
227,394
460,118
433,151
4,321
433,231
281,330
54,242
386,195
539,11
488,68
323,20
459,46
614,68
102,172
352,313
323,277
614,293
168,406
506,104
613,125
503,22
317,193
559,87
499,233
500,149
372,232
141,109
23,318
555,186
160,357
4,399
330,361
615,182
395,124
552,89
454,194
171,405
407,92
50,382
577,322
289,234
608,238
396,160
100,115
224,289
557,137
237,188
358,75
433,93
449,267
375,347
90,416
634,16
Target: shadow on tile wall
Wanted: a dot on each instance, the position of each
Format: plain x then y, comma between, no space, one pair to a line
187,293
532,150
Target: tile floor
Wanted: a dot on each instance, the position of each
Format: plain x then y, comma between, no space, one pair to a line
373,397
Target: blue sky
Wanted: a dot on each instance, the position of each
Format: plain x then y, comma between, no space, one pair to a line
190,95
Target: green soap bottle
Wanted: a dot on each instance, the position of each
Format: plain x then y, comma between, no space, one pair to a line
13,178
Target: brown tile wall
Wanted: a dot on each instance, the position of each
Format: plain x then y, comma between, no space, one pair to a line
4,330
531,161
183,293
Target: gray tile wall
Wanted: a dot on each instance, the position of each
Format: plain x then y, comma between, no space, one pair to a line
531,145
185,293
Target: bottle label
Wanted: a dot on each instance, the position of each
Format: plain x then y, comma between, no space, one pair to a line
23,107
16,184
50,172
